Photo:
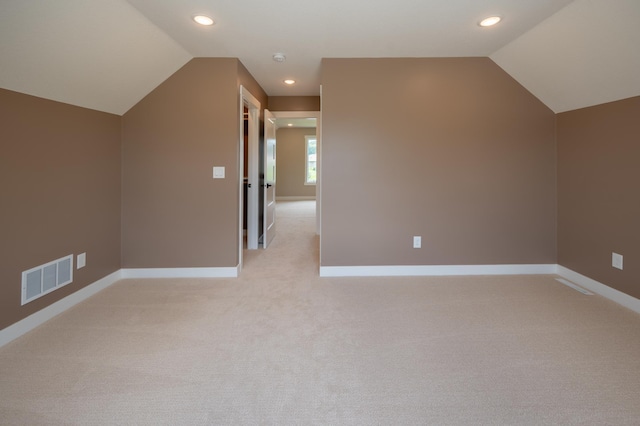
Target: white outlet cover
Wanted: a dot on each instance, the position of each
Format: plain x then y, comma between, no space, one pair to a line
417,242
616,260
82,261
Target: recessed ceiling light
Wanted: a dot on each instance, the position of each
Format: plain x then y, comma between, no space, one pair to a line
289,82
491,20
203,20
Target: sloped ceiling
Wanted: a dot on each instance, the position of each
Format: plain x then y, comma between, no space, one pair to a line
108,54
98,54
586,54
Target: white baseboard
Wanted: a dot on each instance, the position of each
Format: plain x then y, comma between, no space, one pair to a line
296,198
435,270
27,324
228,272
601,289
34,320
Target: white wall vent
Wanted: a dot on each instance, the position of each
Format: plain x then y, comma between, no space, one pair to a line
43,279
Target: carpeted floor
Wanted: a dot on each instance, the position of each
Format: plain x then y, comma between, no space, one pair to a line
281,346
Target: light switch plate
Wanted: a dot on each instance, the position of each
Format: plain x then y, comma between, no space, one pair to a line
218,172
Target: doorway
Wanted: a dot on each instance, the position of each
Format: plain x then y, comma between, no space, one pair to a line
307,119
250,168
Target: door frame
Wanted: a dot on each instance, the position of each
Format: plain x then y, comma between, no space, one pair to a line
253,133
318,116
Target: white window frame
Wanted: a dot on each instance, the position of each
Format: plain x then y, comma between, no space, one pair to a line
308,138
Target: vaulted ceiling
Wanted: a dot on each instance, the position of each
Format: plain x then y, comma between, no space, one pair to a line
108,54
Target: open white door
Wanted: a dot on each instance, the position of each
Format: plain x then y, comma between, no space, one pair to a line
269,188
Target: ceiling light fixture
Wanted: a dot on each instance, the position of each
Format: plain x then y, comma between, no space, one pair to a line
289,82
279,57
491,20
203,20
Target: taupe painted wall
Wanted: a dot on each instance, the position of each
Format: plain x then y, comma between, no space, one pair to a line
452,149
294,103
246,79
598,192
60,192
174,213
290,155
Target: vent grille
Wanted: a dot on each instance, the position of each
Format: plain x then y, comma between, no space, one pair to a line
43,279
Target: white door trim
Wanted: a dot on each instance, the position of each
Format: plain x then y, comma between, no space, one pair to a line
253,105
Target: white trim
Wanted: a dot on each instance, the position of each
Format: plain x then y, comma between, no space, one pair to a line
319,177
603,290
575,287
295,198
38,318
435,270
253,172
229,272
308,138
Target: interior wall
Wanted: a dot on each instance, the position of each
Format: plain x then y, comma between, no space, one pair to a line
290,154
294,103
451,149
598,187
174,213
60,192
246,79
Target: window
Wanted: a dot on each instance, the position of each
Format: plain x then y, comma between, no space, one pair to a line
310,160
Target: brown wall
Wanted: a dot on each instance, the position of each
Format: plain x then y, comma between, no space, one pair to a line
290,154
246,79
60,192
598,187
174,213
294,103
452,149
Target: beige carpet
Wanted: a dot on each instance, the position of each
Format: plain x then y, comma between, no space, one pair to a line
280,346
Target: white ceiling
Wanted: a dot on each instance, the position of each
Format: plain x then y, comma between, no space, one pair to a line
108,54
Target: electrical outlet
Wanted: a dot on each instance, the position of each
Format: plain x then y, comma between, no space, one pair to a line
417,241
616,260
82,261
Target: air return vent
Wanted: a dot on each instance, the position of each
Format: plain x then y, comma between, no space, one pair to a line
43,279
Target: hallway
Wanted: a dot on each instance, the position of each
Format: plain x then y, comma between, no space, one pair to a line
295,249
